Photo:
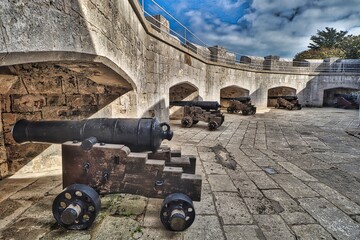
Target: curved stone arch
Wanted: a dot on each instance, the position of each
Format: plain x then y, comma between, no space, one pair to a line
279,91
232,91
328,94
116,75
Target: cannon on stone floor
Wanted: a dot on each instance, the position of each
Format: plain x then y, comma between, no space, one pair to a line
195,111
242,104
103,156
288,102
346,101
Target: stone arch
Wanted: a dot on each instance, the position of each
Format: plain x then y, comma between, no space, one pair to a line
50,90
184,91
331,97
279,91
230,92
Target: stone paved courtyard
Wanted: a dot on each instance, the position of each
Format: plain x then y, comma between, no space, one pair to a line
294,175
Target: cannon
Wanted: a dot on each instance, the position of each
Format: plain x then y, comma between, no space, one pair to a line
242,104
288,102
346,101
111,155
195,111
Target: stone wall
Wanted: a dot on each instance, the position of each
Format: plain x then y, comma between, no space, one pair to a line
47,91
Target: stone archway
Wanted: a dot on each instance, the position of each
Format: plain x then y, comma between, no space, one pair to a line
51,91
184,91
230,92
341,97
279,91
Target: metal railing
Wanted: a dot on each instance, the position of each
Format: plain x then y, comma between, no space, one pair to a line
188,39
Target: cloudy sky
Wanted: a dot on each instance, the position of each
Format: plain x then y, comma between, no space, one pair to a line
260,27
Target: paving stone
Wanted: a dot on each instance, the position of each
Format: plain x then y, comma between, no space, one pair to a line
297,172
273,227
259,205
232,209
262,180
206,205
336,198
335,221
297,218
247,188
221,183
156,234
67,235
116,228
152,214
243,232
204,228
38,189
213,168
12,209
10,186
293,186
285,201
311,231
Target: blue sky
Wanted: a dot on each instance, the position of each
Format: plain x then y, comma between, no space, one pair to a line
260,27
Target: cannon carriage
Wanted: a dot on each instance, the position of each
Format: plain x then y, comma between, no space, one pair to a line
205,111
103,156
242,104
287,102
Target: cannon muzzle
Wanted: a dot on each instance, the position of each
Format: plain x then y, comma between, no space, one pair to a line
143,134
206,105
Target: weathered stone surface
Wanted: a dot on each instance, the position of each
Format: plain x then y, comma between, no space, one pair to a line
311,231
221,183
331,218
205,228
336,198
243,232
206,205
10,210
297,172
293,186
232,209
261,180
273,227
296,218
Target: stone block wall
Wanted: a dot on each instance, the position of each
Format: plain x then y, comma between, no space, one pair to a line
50,92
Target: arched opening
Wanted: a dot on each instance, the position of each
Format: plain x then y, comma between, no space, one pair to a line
275,92
347,98
51,91
182,92
231,92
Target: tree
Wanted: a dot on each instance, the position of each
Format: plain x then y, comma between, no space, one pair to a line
320,53
351,46
328,38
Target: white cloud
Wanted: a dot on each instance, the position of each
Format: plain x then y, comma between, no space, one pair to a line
229,4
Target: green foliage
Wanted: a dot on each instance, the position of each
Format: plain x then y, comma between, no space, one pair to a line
328,38
320,54
351,46
331,43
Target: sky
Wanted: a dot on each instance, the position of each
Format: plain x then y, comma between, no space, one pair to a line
259,27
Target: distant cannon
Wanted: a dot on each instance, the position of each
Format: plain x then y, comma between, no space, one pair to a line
288,102
195,111
346,101
242,104
112,155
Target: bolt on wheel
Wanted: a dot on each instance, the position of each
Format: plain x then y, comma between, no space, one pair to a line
76,207
187,121
177,212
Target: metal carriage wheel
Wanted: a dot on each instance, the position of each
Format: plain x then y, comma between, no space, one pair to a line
177,212
76,207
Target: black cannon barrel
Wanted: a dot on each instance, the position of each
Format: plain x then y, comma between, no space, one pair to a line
207,105
142,134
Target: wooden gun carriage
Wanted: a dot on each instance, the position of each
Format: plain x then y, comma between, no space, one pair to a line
102,156
195,111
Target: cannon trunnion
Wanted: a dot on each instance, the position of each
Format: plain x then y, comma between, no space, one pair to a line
92,168
195,111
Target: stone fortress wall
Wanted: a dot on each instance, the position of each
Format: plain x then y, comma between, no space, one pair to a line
75,59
